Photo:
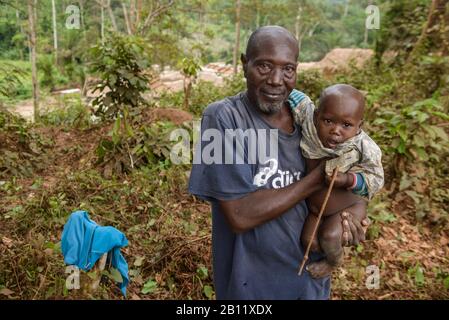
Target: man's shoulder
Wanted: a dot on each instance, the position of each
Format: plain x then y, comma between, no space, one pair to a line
230,111
222,107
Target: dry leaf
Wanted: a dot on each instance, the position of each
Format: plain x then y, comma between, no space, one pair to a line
6,292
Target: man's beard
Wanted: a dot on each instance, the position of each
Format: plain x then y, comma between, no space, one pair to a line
270,107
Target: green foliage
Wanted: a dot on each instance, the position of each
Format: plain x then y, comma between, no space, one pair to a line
46,65
417,274
10,79
412,132
312,83
401,26
120,63
190,67
73,113
49,75
148,145
149,287
22,149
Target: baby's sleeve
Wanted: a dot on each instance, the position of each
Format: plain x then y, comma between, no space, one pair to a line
370,166
298,102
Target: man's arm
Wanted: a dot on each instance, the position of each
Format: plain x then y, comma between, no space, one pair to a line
264,205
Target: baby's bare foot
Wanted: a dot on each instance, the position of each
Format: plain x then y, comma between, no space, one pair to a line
319,269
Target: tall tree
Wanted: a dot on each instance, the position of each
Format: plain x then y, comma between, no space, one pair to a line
55,30
237,35
102,22
32,22
125,14
111,15
436,29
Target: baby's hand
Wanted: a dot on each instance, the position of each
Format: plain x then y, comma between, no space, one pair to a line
343,180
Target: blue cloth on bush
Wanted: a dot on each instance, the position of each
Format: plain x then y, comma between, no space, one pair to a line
84,242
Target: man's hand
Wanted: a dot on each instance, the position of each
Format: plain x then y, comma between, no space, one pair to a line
343,180
353,230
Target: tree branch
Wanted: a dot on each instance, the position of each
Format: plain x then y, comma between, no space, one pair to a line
155,13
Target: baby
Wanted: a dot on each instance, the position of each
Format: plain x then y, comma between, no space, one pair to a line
333,130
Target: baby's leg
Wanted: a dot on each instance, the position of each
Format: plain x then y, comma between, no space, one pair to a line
331,242
306,233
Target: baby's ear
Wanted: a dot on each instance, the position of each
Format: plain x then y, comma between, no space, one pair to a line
361,124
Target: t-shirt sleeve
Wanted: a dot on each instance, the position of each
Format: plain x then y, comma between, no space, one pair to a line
211,178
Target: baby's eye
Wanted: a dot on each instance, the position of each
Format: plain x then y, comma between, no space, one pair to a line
327,121
347,125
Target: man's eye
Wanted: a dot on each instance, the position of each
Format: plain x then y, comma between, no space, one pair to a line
264,67
289,69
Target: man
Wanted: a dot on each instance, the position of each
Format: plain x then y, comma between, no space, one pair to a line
258,207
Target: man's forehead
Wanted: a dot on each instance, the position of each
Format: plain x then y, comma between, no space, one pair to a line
272,51
270,42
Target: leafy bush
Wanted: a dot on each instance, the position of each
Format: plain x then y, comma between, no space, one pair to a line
73,114
21,148
10,79
120,63
311,82
412,131
148,145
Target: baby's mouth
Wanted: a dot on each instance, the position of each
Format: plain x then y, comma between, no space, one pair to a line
332,143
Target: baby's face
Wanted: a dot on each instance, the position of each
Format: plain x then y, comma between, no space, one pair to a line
338,120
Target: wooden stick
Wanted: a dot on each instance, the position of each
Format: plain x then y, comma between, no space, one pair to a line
100,267
323,206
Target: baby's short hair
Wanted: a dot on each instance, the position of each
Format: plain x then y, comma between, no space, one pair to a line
342,89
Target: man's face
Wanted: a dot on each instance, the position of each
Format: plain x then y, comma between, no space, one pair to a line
271,74
338,120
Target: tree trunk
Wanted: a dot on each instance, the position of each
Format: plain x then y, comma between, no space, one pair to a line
298,22
81,3
153,14
102,22
32,21
132,15
437,13
237,36
111,16
365,36
55,31
19,24
345,13
125,14
138,11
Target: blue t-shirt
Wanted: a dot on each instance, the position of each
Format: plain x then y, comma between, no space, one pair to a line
261,263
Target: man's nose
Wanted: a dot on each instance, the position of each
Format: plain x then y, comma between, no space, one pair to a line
276,77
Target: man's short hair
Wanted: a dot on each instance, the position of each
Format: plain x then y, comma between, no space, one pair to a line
255,37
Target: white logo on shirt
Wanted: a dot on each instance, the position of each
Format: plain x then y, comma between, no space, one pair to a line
281,179
265,173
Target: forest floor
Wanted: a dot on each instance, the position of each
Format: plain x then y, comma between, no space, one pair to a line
170,233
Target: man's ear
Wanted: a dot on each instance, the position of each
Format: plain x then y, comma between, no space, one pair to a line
244,63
